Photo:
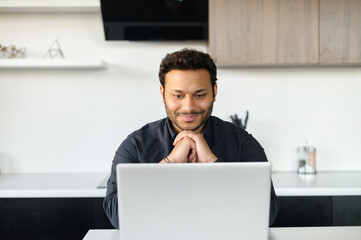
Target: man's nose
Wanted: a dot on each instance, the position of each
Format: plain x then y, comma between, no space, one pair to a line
188,104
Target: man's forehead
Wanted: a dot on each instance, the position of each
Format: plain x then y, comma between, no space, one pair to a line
199,77
177,72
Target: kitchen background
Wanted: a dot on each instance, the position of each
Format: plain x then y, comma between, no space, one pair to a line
74,120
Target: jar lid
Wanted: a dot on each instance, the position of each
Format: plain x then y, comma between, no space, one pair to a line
311,149
302,149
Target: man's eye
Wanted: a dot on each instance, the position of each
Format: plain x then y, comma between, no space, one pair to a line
177,96
200,95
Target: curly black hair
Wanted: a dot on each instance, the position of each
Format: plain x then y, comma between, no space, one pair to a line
187,59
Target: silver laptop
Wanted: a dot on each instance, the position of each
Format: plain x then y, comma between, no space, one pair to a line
199,201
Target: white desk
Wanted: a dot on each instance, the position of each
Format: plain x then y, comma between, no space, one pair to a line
309,233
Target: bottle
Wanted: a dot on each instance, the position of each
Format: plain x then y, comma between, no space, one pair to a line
311,160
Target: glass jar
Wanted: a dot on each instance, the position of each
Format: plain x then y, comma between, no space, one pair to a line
306,160
302,159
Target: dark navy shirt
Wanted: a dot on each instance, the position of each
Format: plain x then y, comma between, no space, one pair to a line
154,141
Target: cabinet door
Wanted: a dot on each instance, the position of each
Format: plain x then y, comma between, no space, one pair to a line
340,31
261,32
50,218
304,211
346,211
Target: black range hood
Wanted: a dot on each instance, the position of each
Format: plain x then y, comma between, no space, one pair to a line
157,20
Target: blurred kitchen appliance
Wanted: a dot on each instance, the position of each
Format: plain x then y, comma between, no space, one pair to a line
155,20
306,160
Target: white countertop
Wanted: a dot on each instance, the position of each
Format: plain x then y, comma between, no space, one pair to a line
51,185
86,184
300,233
320,184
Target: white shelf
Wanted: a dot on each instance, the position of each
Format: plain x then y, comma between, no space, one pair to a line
49,6
56,64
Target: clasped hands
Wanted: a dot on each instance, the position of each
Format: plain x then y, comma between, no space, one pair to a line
191,147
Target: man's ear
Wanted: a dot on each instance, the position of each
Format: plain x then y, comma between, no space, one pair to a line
215,88
162,92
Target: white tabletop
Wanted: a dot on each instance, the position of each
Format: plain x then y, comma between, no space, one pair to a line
315,233
301,233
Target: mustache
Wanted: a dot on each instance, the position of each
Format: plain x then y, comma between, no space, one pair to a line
188,113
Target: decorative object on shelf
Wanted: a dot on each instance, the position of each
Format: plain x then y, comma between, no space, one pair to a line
238,121
54,51
12,51
306,160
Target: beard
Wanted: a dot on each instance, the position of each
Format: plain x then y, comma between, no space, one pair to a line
194,126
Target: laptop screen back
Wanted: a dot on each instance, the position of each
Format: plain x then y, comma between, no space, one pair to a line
194,201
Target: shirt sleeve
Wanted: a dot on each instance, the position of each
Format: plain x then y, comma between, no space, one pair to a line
126,153
252,151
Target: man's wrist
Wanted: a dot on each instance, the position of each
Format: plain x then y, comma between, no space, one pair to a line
214,159
167,160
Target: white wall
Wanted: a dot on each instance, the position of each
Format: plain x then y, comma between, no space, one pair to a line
73,120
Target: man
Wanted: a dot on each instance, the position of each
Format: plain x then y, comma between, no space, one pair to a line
189,134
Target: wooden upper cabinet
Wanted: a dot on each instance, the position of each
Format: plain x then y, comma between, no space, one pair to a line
262,32
340,31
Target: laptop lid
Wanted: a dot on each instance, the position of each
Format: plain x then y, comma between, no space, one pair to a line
194,201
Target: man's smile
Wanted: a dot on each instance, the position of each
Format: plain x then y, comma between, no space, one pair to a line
189,118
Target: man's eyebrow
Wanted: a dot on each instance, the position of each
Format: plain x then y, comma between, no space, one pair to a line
197,91
201,90
176,90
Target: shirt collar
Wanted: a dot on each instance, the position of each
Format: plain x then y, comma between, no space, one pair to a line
207,132
170,128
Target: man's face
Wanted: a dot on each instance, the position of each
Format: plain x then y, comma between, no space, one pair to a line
188,98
